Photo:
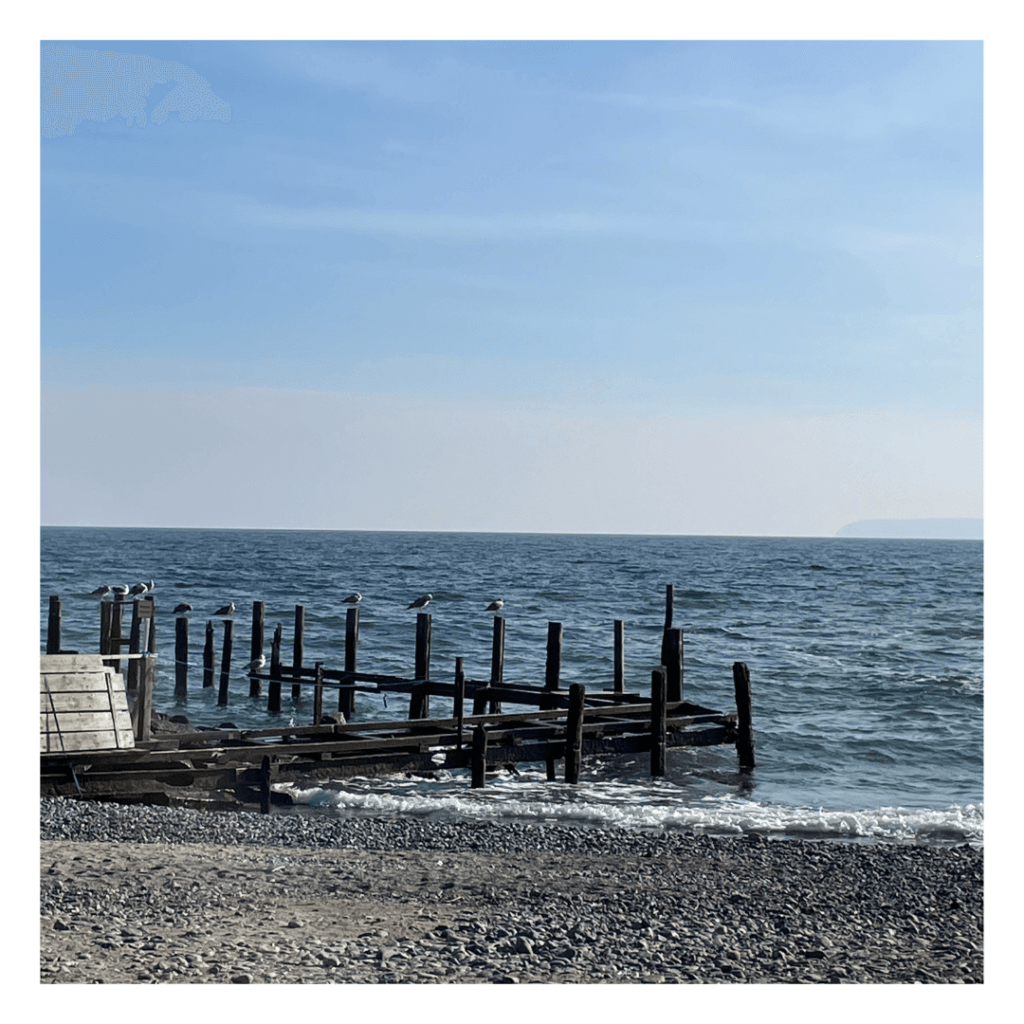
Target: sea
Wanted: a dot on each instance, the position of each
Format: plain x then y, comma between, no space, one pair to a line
865,658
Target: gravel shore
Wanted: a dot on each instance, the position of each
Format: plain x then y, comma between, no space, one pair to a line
146,894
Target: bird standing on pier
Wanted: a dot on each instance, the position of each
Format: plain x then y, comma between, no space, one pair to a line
256,664
150,586
422,602
101,592
352,599
495,606
183,608
139,588
228,609
120,591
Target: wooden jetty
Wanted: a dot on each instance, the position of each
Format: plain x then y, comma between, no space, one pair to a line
238,767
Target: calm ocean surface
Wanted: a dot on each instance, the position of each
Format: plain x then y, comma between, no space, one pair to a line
865,659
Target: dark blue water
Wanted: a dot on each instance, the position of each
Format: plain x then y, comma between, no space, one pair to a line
865,657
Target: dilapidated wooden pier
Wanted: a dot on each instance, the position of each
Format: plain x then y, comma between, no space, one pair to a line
88,750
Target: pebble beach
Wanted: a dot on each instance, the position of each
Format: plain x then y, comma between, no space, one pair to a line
144,895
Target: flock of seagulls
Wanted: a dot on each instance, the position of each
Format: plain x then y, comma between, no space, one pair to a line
229,609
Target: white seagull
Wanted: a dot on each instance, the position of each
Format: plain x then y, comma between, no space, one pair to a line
228,609
101,592
182,608
150,585
256,664
120,591
352,599
139,588
422,602
495,606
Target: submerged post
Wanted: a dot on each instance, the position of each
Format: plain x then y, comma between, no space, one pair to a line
318,693
497,659
745,726
419,699
574,733
658,722
53,626
458,709
479,762
553,661
620,656
225,662
181,659
259,614
208,656
298,647
274,687
347,694
674,665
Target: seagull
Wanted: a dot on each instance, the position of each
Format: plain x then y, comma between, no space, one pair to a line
101,591
256,664
422,602
495,606
139,588
182,608
228,609
352,599
119,591
151,585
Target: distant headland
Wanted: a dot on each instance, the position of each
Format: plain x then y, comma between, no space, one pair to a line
922,529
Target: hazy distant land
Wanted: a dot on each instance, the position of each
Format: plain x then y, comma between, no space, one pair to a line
924,529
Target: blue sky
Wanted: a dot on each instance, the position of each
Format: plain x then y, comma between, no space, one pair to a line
589,286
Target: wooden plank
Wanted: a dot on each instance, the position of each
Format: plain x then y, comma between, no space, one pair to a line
82,682
89,701
75,741
64,663
83,721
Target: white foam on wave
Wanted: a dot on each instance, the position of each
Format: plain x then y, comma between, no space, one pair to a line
651,806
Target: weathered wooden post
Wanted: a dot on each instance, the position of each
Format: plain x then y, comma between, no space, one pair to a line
134,647
318,693
116,626
459,705
619,668
149,614
208,656
225,662
658,722
674,665
497,659
669,601
53,626
479,762
106,618
265,785
419,699
259,615
553,661
745,726
298,648
142,711
274,687
181,659
347,694
574,733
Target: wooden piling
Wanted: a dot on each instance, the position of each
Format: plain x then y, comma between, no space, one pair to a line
106,618
670,591
181,659
143,710
318,693
658,687
574,733
116,626
479,761
553,661
674,665
274,687
259,614
458,707
208,656
745,728
620,656
134,647
298,646
419,699
347,694
149,615
265,785
497,659
225,662
53,626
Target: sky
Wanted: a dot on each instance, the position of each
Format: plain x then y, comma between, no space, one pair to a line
595,286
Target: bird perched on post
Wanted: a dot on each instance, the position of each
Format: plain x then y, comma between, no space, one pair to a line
183,608
139,588
422,602
228,609
101,592
352,599
495,606
150,585
120,591
256,664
